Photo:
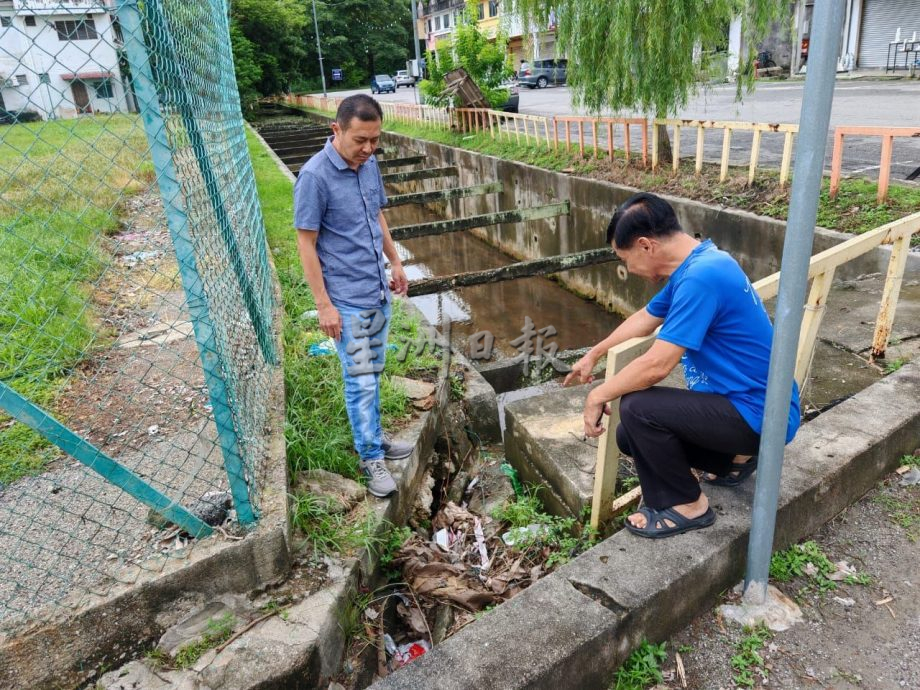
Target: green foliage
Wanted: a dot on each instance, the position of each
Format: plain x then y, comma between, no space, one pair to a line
894,365
564,537
747,660
486,61
642,669
268,45
391,544
218,631
330,532
794,562
639,54
903,512
912,460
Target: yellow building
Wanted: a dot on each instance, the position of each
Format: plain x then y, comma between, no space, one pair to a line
489,21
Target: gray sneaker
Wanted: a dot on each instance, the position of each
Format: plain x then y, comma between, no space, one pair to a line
396,450
379,481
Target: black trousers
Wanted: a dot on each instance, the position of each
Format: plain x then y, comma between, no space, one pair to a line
669,430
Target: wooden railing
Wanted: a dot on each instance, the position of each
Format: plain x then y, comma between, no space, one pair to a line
607,123
821,272
884,172
727,127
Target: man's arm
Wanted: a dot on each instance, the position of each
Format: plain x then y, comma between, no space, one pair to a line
330,321
399,284
640,324
643,372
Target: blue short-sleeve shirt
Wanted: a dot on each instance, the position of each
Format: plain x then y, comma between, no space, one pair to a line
710,308
343,206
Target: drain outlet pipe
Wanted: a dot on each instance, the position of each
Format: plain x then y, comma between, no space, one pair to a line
814,120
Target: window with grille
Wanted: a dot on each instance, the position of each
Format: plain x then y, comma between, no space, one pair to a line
6,21
79,30
22,79
482,10
104,89
30,21
493,8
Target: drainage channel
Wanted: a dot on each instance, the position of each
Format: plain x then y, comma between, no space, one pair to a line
502,309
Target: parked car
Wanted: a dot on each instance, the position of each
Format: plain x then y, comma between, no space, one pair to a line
403,78
514,98
382,83
541,73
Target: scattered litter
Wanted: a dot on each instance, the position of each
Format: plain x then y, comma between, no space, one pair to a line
442,539
389,644
846,602
512,475
811,569
521,534
844,570
371,613
326,347
153,429
886,600
410,651
911,477
311,314
481,545
136,258
681,672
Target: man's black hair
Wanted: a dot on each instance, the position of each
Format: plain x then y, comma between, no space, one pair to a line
641,215
359,106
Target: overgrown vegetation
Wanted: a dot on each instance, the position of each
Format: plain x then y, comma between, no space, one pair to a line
747,662
642,669
533,528
63,182
218,631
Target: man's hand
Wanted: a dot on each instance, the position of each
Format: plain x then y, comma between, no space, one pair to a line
594,415
330,321
581,371
399,284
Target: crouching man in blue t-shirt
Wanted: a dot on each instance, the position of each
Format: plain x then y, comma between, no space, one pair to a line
714,323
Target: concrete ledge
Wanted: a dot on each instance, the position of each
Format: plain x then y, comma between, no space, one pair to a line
575,627
65,649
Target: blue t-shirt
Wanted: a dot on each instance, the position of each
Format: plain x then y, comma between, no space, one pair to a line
710,308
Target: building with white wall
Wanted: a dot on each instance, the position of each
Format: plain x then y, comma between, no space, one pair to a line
59,58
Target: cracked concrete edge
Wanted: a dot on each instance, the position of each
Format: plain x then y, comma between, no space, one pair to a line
576,626
67,645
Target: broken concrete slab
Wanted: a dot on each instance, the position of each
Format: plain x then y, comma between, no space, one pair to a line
338,493
852,310
193,626
414,390
628,589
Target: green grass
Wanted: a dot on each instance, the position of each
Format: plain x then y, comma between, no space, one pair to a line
894,365
218,631
903,512
747,660
62,184
642,669
563,538
317,432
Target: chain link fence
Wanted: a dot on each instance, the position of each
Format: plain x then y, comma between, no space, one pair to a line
137,339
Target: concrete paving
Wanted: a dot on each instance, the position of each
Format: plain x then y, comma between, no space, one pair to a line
576,626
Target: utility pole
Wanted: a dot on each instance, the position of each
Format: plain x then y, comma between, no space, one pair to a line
322,73
800,230
418,62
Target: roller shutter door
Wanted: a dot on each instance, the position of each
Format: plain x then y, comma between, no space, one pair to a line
880,22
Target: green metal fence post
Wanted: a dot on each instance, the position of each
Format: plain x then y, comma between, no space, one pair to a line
198,306
40,421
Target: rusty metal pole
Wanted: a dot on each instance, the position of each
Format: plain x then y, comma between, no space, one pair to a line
800,230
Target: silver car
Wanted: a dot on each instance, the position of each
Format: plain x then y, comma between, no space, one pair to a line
541,73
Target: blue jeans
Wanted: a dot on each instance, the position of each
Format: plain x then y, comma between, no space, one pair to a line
362,353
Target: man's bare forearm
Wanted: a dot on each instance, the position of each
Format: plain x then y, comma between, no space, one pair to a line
389,246
313,272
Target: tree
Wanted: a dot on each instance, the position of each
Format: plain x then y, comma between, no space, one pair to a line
268,45
639,54
486,61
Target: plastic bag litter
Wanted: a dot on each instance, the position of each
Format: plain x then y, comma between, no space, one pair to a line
410,651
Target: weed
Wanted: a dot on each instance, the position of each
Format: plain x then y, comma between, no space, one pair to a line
351,621
685,649
394,540
642,669
331,532
156,658
457,386
807,558
275,607
894,365
747,660
218,631
564,537
911,460
905,513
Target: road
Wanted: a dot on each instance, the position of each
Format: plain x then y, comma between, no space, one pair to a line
857,102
